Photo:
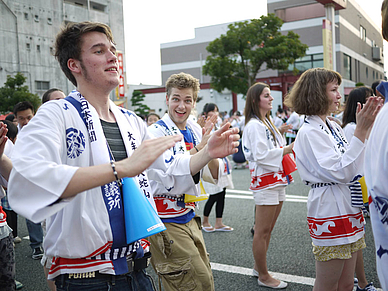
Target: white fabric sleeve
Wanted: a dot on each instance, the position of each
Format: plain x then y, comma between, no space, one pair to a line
255,138
170,174
314,149
38,178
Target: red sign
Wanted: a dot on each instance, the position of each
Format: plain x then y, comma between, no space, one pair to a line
121,89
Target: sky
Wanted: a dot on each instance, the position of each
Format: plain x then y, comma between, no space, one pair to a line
150,23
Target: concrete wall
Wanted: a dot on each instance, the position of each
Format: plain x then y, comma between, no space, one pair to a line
27,34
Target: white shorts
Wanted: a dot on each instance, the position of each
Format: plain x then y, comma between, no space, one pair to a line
270,196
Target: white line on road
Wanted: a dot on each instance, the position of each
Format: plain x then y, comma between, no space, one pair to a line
248,272
248,195
280,276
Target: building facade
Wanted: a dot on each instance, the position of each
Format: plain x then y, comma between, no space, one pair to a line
358,50
27,36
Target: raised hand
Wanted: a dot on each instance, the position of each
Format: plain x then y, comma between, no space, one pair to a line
223,142
366,115
3,137
146,154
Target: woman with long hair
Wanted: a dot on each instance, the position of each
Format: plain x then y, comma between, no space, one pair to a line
264,148
216,192
329,165
357,95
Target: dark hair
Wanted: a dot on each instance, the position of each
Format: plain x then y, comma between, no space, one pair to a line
47,94
374,85
21,106
209,107
357,95
308,96
69,41
12,129
154,114
10,117
384,22
252,106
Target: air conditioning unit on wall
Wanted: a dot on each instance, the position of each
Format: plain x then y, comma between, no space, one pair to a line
377,53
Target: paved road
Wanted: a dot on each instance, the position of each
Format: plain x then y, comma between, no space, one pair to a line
289,254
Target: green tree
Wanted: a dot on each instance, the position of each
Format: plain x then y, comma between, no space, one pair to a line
248,48
137,101
14,92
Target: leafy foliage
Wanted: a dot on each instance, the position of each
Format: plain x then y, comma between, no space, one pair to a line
137,101
248,48
14,92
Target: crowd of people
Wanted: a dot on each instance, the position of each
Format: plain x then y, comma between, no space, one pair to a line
72,154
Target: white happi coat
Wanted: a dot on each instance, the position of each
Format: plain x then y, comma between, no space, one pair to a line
166,199
328,164
376,169
49,151
264,156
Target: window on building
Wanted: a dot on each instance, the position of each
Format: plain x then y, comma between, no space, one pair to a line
26,16
347,67
38,48
49,20
51,50
307,62
28,46
97,6
36,18
362,33
367,72
42,85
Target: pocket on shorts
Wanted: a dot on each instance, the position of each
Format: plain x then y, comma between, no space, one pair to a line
179,274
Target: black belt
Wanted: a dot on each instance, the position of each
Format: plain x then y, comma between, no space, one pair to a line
133,265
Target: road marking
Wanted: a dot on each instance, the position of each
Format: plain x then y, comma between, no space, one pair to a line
248,272
248,195
280,276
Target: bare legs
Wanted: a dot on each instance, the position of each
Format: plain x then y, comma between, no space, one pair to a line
266,216
335,275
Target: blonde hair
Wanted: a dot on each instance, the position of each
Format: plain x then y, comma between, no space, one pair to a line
252,107
308,96
182,81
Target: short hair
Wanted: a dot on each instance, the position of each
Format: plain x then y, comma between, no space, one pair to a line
68,43
357,95
308,96
182,81
374,86
47,94
21,106
10,117
12,129
209,107
384,17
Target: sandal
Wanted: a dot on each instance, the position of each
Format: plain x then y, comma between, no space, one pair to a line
208,228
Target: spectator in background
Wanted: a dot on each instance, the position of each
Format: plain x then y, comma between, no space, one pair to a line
11,117
357,96
12,217
217,192
374,86
53,94
294,121
24,111
152,118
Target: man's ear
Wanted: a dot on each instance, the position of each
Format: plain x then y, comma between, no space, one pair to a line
167,100
74,65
